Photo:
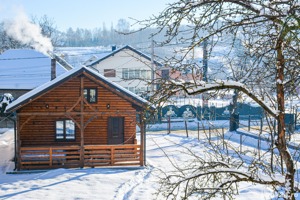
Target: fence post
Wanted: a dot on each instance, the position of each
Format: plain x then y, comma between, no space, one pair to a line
186,130
169,124
259,137
249,122
198,131
223,137
50,156
241,142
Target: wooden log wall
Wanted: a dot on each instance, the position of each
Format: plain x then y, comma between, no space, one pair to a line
38,128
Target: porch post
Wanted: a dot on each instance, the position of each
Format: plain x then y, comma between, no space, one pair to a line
18,146
142,128
81,122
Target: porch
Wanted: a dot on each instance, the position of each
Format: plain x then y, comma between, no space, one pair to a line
73,156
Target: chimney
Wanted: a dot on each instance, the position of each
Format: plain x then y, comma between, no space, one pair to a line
53,69
113,48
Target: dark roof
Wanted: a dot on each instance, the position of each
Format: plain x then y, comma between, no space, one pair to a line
29,96
121,49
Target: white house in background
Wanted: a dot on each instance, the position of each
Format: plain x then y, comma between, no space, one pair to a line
22,70
127,67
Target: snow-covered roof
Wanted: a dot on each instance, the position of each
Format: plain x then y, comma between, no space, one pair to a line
118,50
45,87
25,69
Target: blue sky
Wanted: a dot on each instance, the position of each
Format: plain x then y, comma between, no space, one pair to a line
83,13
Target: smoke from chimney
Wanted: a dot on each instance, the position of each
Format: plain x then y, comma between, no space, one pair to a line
21,29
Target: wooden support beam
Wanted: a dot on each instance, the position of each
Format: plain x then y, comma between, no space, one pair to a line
142,128
18,144
81,122
77,102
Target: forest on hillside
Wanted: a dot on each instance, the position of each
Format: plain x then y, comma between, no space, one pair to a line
121,34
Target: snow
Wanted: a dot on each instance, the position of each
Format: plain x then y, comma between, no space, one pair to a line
124,183
78,56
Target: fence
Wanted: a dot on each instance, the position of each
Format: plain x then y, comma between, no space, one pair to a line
210,113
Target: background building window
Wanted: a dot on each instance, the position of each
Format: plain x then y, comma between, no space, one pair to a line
124,73
109,72
65,130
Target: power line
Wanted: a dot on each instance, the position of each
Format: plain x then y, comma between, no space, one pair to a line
41,57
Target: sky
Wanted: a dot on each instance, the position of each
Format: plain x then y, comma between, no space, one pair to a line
83,13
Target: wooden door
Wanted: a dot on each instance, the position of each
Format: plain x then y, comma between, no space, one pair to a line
115,130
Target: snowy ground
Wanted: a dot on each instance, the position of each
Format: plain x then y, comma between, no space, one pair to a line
112,183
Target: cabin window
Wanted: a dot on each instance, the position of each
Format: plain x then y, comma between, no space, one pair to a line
109,72
90,95
65,130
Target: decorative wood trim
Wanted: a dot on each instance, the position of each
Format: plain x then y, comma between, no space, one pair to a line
90,120
78,125
27,120
89,105
77,102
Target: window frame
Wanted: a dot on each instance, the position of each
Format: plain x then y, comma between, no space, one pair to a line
125,73
64,131
110,73
88,95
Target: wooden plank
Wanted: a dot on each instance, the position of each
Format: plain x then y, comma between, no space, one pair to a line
34,162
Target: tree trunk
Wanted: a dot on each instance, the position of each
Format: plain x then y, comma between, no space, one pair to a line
281,141
234,117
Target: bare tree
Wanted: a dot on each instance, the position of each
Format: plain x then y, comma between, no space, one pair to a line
48,29
268,28
7,42
215,171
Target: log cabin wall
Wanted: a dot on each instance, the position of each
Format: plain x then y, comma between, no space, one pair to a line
39,130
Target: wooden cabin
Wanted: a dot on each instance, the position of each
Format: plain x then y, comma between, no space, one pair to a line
78,119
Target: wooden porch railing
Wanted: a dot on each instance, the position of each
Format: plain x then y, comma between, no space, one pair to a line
69,156
112,155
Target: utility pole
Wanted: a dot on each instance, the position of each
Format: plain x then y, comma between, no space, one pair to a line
205,60
152,65
204,78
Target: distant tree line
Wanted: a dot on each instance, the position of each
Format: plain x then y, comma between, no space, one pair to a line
80,37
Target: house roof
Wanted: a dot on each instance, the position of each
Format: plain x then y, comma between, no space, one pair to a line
26,69
29,96
117,51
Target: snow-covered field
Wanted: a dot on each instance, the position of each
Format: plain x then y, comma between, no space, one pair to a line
126,183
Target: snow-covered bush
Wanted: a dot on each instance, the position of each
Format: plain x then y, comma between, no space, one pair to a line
5,99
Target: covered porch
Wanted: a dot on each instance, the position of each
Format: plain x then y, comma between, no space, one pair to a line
70,156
